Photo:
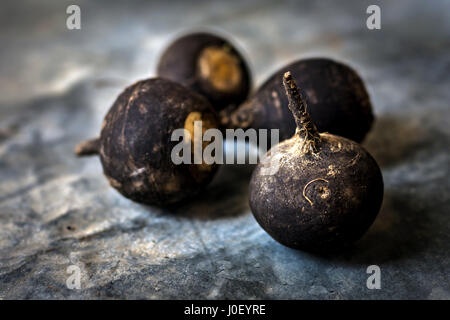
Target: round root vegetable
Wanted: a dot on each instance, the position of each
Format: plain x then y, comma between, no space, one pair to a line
209,65
337,99
326,192
135,142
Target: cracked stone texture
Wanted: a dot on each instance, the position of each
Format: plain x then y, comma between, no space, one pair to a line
56,210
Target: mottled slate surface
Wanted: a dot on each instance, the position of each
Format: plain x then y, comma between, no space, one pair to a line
56,210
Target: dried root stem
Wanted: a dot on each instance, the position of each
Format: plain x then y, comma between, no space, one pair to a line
307,185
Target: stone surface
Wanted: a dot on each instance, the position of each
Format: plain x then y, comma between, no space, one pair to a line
55,210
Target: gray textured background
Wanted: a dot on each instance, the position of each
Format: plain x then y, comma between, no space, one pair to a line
55,210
